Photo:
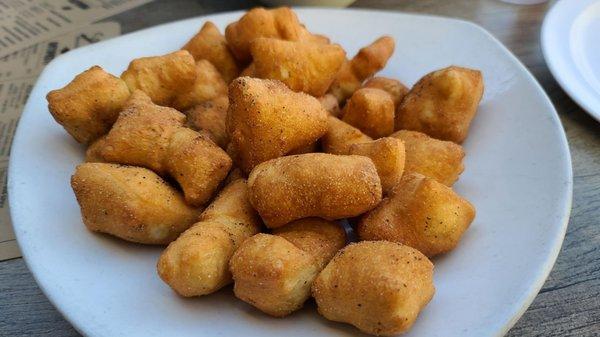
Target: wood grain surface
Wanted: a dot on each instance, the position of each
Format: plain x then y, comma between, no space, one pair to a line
569,302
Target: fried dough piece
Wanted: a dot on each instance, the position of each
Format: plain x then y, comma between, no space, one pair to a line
302,66
371,111
442,104
274,272
330,103
162,78
280,23
379,287
318,237
197,164
248,71
393,87
152,136
131,203
434,158
421,213
373,58
208,85
340,136
93,154
209,44
388,156
197,263
364,64
267,120
211,116
89,105
313,185
234,174
141,134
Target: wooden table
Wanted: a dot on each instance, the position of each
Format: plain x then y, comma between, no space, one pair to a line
569,302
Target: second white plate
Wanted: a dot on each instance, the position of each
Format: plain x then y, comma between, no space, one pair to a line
571,47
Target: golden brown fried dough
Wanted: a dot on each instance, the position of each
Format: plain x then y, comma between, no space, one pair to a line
371,111
302,66
211,116
366,63
132,203
89,105
280,23
330,103
318,237
421,213
393,87
197,164
162,78
152,136
345,83
267,120
274,272
388,156
208,85
209,44
373,58
340,136
313,185
379,287
197,263
434,158
141,134
93,154
442,104
248,71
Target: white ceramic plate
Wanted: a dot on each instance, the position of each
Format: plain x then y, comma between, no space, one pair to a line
518,174
571,47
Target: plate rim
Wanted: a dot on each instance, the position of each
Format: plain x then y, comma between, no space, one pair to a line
552,55
533,288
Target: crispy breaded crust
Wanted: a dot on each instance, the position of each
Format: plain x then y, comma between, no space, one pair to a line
364,64
393,87
132,203
197,263
313,185
274,272
152,136
442,103
319,237
89,105
208,85
211,116
209,44
302,66
421,213
267,120
379,287
280,23
340,136
162,78
370,110
434,158
388,155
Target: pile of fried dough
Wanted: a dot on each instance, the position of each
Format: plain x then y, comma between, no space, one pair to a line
240,151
